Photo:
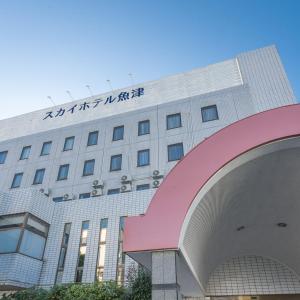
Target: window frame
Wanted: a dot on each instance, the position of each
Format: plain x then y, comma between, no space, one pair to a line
4,153
61,199
63,246
59,170
44,144
114,191
65,143
14,178
84,173
23,151
111,159
173,115
96,132
84,195
138,163
172,145
209,107
99,268
35,176
82,243
25,226
120,268
139,187
139,127
114,133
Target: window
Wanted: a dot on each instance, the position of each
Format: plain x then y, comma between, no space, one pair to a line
93,138
17,180
173,121
84,195
101,250
82,251
3,155
142,187
121,254
58,199
88,168
9,239
63,172
39,176
209,113
25,152
175,152
113,191
69,143
63,252
118,133
23,233
116,162
46,148
143,158
144,127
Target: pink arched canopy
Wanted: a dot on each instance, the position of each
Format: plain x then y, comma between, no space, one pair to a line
160,227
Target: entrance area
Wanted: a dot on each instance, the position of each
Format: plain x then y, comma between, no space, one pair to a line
231,227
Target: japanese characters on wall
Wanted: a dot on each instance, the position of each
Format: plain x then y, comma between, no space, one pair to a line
123,96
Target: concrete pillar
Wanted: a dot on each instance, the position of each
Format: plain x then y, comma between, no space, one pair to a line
164,276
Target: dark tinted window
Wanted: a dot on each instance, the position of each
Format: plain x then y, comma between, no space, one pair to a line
69,143
25,152
144,127
173,121
175,152
17,180
46,148
93,138
88,168
118,133
116,162
63,172
209,113
39,176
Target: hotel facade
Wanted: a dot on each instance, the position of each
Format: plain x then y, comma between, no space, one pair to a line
193,176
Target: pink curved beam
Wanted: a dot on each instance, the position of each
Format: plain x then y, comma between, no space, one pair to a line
160,227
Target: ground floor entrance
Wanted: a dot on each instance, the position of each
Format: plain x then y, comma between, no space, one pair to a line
232,226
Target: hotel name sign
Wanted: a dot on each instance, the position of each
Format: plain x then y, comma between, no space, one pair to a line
121,97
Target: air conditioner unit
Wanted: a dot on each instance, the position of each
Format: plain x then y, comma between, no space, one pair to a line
156,175
126,178
46,192
98,183
66,196
155,183
126,188
97,192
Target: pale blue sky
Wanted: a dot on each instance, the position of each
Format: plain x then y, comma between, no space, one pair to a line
48,47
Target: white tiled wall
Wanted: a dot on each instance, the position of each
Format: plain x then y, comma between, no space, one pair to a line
252,275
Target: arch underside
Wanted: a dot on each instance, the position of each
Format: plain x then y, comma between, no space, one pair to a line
237,214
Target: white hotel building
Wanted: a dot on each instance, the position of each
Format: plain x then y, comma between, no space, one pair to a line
70,174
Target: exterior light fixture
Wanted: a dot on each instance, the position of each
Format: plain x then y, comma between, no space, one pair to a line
240,228
281,224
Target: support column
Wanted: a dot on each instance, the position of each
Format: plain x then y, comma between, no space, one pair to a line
164,276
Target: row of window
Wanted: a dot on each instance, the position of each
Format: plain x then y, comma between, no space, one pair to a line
26,234
139,187
175,152
209,113
83,248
